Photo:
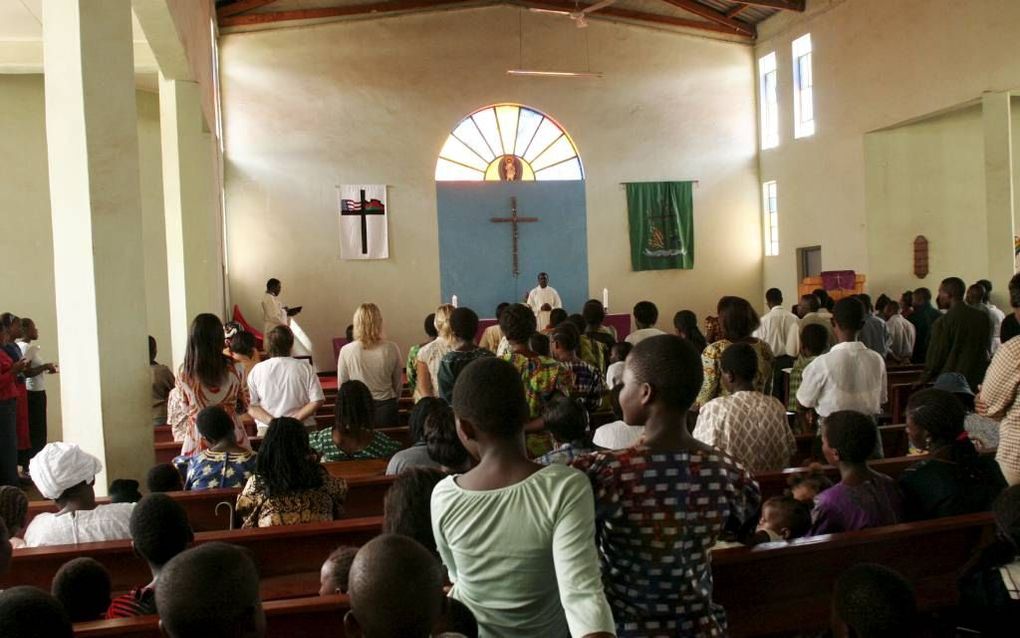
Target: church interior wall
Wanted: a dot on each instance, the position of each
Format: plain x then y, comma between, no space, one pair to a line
28,245
875,64
373,101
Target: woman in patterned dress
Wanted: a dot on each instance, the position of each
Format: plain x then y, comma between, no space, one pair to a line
289,485
207,378
737,322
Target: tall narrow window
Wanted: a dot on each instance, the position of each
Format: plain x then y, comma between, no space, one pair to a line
771,230
769,101
803,88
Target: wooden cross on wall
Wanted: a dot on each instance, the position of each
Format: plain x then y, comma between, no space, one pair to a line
514,220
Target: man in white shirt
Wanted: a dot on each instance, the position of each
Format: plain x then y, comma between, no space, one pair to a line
902,333
779,328
35,383
283,385
811,311
645,316
543,299
998,316
274,313
850,376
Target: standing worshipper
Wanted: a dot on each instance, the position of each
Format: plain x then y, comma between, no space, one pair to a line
998,316
65,473
9,371
411,365
737,322
923,316
594,314
162,380
780,329
492,335
902,334
542,376
812,311
960,339
207,378
1011,324
274,313
874,334
685,323
374,362
1000,400
283,385
464,325
35,384
431,354
589,385
543,299
646,314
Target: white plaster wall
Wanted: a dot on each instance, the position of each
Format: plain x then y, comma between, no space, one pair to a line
876,64
373,101
27,244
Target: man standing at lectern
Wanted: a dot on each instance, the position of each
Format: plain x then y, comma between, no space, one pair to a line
543,299
274,313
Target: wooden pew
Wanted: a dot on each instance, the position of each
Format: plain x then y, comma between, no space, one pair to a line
312,617
286,555
894,443
781,588
167,451
774,483
364,498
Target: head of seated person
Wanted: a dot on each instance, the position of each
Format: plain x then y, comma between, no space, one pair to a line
539,344
556,317
567,420
13,510
164,478
355,413
420,413
848,438
619,352
29,612
662,377
464,325
396,590
646,314
82,585
159,530
286,462
407,508
124,491
210,591
217,428
806,486
518,324
935,424
814,340
280,342
785,518
441,440
490,406
65,473
873,601
334,575
242,346
739,365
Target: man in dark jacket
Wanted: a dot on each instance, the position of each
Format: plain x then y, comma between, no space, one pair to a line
960,338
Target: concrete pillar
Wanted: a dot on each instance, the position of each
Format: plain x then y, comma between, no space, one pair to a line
99,271
192,212
995,109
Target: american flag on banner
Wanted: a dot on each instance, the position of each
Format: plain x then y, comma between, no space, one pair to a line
363,225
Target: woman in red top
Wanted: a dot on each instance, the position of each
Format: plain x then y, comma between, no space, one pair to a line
9,370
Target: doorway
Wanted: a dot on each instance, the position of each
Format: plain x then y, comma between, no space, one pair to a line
809,262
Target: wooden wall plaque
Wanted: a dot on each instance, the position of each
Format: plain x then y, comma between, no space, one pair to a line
921,256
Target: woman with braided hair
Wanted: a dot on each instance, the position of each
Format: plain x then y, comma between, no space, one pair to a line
954,479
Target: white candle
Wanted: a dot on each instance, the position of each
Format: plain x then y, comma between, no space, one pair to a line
454,301
605,298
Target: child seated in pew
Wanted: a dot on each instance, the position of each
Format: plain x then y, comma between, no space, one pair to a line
873,601
567,420
223,463
990,583
539,343
159,531
14,512
289,485
211,591
748,425
443,444
396,591
814,341
352,436
417,455
617,435
954,479
29,612
806,486
334,575
82,585
124,491
783,518
617,356
863,498
407,508
663,503
65,473
515,536
164,478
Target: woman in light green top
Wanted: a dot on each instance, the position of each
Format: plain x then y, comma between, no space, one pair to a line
517,538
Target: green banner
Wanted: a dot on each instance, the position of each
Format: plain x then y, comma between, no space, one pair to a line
661,218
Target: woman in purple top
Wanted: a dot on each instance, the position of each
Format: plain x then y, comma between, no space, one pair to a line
863,498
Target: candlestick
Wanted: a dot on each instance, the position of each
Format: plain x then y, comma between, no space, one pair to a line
605,299
454,301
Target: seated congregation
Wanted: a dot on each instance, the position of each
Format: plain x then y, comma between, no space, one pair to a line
552,481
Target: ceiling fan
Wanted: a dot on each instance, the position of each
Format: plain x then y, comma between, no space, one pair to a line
579,16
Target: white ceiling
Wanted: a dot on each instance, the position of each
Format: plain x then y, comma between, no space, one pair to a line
21,21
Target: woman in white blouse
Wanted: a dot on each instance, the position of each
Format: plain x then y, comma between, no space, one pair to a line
431,354
374,362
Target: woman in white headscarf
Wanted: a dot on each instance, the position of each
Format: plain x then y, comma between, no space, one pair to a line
65,473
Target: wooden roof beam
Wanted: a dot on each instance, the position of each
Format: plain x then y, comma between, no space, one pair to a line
336,12
785,5
704,11
636,16
241,6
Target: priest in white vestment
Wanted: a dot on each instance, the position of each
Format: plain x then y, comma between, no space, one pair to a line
274,313
543,299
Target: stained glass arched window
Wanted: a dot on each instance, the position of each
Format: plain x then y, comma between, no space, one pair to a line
510,143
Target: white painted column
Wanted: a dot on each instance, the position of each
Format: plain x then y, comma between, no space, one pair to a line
191,209
995,110
99,273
